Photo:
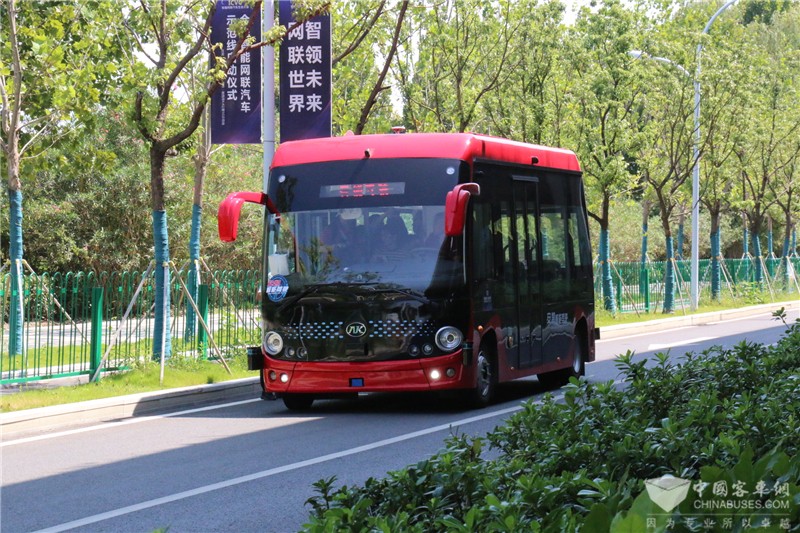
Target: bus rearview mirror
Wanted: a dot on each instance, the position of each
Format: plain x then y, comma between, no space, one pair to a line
230,209
455,207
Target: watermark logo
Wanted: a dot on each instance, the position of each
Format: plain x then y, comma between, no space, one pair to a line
725,504
667,491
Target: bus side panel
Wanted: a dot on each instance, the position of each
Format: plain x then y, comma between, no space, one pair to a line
531,271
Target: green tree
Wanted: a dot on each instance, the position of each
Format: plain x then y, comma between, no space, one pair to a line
171,35
603,112
461,53
767,143
88,209
54,68
667,161
724,61
360,27
530,104
379,86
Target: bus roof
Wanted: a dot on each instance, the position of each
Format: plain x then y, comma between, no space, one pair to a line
463,146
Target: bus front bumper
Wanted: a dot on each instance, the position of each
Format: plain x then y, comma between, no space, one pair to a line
437,373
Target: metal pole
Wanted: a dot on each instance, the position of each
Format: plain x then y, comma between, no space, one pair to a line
694,281
268,91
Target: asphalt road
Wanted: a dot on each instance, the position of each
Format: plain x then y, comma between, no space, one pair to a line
250,465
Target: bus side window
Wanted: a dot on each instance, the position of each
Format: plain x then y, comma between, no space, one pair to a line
554,243
579,244
483,241
504,233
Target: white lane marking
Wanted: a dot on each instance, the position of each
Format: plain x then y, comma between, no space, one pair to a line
275,471
686,342
125,422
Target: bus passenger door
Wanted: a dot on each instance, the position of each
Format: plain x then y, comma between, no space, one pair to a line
528,293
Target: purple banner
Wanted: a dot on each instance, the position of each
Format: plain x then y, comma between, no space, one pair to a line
236,106
305,77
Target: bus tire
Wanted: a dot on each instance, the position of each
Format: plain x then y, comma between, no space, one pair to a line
559,378
298,402
486,383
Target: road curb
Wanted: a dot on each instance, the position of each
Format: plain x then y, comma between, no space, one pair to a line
120,407
661,324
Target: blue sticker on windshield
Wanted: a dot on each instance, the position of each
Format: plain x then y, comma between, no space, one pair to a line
277,288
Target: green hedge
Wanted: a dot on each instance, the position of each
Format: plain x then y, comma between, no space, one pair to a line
724,419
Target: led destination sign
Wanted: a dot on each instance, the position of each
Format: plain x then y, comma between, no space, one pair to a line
358,190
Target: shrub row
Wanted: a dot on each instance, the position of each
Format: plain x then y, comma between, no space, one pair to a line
726,419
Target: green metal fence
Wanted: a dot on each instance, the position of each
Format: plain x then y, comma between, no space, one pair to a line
58,308
639,287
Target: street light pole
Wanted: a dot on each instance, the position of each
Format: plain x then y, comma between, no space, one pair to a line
694,282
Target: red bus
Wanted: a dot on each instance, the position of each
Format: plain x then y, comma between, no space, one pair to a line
420,262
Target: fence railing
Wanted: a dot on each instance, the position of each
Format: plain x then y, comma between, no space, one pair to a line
639,287
58,329
58,311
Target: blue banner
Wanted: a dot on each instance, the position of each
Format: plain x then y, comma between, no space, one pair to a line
305,77
236,106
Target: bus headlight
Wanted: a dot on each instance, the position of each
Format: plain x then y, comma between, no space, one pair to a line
448,338
273,343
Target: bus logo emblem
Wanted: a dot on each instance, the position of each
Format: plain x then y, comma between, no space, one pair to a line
356,329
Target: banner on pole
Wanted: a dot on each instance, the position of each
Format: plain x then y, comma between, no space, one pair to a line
305,77
236,106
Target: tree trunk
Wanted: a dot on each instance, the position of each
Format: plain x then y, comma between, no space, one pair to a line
17,312
609,303
669,276
644,281
669,279
162,343
787,253
755,237
716,274
770,241
201,160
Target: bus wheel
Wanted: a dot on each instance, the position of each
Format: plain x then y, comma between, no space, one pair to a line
486,384
559,378
578,360
298,402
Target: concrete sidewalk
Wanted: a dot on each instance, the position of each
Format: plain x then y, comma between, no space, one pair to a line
42,419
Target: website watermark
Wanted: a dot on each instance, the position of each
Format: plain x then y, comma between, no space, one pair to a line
720,505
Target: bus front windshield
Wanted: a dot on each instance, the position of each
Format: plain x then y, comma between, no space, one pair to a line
373,222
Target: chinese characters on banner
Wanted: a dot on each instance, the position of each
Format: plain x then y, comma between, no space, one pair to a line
236,106
305,77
